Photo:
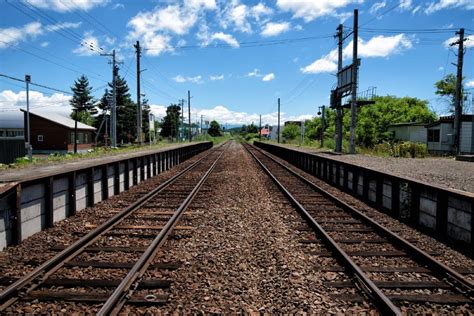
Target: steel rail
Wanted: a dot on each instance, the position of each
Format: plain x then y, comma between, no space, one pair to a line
119,297
47,268
384,304
464,286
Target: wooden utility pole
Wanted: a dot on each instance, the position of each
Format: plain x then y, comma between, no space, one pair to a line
458,96
355,65
278,126
139,107
260,130
189,116
338,134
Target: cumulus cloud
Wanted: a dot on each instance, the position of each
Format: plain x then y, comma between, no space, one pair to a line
378,46
405,4
269,77
469,83
274,29
226,38
260,10
216,77
236,15
183,79
156,27
89,45
14,101
469,43
449,4
311,9
14,35
65,6
224,115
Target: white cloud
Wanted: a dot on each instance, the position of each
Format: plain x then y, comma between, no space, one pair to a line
15,35
311,9
227,38
377,6
254,73
158,110
89,45
44,44
216,77
449,4
61,26
183,79
469,83
58,103
67,5
208,4
378,46
236,14
118,6
269,77
224,115
260,10
469,43
405,4
12,35
274,29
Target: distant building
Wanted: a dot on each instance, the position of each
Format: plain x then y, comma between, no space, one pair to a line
265,132
11,125
413,132
440,135
51,132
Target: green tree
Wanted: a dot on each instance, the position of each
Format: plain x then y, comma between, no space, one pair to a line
170,123
252,128
214,129
146,119
291,131
446,88
126,111
82,101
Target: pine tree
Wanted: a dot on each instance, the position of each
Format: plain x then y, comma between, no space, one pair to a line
83,101
126,110
146,119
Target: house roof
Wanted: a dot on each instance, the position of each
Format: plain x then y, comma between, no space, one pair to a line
11,119
408,124
61,120
450,119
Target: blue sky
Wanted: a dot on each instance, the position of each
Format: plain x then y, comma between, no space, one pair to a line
236,57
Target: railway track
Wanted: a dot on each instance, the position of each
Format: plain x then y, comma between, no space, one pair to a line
137,231
380,264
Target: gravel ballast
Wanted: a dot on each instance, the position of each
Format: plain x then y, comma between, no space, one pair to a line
445,172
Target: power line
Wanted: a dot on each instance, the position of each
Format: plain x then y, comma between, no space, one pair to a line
35,84
247,44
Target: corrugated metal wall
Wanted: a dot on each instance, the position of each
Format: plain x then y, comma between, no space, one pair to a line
11,148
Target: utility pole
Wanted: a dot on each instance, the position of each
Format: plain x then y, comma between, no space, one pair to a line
189,116
338,133
113,108
75,131
458,97
28,134
355,65
182,130
139,107
260,130
278,126
323,123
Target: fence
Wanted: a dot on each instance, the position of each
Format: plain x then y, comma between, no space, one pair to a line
11,148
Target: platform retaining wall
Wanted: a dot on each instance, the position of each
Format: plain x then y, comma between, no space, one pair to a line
443,213
30,206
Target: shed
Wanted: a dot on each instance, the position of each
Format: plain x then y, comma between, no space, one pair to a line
413,132
440,135
11,125
51,132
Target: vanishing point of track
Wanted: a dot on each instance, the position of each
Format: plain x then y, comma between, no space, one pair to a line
152,217
347,233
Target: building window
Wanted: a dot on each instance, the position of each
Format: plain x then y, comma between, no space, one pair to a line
40,138
433,135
